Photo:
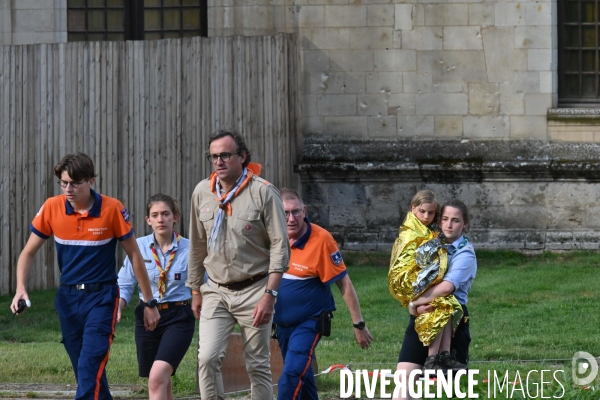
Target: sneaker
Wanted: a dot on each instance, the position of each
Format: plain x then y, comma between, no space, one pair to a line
431,364
448,361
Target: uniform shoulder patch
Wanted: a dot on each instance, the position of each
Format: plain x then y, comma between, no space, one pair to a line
125,214
336,257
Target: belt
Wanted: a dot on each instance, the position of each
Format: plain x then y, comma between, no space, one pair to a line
242,284
91,287
170,304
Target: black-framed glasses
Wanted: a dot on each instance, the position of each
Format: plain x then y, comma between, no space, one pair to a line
74,185
213,158
295,213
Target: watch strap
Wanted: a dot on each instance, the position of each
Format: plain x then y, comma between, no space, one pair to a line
360,325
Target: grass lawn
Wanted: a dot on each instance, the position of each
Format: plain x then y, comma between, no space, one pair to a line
527,312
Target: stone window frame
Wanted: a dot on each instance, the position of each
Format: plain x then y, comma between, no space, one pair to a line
134,13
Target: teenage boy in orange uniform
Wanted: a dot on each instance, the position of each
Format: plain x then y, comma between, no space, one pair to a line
304,294
86,227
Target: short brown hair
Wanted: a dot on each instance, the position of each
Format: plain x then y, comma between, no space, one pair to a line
290,194
165,198
239,142
79,166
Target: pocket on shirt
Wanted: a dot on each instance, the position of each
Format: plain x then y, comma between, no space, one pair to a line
207,219
179,267
153,273
249,222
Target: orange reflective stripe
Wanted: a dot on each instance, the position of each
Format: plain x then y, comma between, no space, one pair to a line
110,340
310,358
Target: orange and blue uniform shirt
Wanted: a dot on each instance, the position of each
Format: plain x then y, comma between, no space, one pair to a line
305,292
85,243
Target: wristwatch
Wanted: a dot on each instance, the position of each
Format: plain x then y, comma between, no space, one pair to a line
152,303
273,293
360,326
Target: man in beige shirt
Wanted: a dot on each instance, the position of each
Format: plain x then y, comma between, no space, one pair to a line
238,236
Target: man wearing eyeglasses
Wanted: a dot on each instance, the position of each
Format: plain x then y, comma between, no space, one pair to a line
304,308
238,236
86,227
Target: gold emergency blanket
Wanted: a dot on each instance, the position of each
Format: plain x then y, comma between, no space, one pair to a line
403,268
432,259
430,324
419,261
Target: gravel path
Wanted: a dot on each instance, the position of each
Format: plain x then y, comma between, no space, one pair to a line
21,391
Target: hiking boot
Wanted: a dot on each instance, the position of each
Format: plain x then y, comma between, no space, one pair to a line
449,362
431,365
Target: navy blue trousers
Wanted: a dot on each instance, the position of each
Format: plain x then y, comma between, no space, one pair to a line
297,344
87,322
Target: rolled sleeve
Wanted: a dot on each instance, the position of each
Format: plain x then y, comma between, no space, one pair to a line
461,273
198,245
276,226
126,281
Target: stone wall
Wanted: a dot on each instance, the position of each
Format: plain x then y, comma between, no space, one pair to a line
434,69
33,21
523,195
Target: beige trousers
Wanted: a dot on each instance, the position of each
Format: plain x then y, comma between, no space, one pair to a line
221,310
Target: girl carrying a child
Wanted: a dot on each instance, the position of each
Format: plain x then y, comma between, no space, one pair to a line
419,262
461,271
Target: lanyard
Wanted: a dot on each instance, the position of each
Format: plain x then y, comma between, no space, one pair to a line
462,244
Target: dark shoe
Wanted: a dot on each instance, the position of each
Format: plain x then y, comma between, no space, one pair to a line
431,365
448,361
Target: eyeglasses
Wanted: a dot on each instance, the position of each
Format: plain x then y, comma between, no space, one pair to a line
213,158
295,213
74,185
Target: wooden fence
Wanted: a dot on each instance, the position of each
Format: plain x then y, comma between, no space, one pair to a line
143,111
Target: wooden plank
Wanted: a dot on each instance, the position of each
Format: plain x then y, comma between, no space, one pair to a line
13,138
102,134
155,111
94,131
40,69
163,139
106,112
175,155
21,148
6,266
207,104
53,116
114,97
11,71
228,94
138,175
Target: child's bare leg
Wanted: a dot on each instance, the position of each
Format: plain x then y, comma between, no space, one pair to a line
446,335
442,340
447,359
434,347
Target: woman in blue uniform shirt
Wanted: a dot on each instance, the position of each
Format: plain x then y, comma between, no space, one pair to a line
165,255
462,268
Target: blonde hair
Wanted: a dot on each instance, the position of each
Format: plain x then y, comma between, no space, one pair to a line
426,197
